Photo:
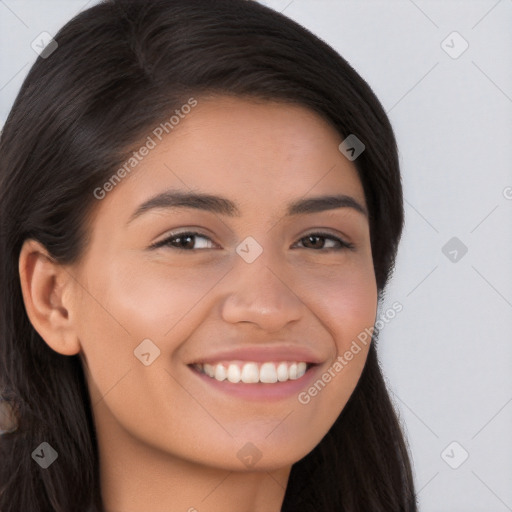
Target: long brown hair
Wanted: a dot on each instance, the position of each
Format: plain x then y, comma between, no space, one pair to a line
120,68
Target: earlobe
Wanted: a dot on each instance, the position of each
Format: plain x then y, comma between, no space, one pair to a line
43,283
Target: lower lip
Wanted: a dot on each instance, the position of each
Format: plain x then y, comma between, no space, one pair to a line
261,391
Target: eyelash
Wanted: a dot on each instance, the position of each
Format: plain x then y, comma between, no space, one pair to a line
167,241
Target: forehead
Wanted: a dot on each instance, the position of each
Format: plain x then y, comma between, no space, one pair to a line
259,153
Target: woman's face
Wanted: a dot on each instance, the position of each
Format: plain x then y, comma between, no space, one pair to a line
256,284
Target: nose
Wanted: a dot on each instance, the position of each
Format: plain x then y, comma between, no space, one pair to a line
261,293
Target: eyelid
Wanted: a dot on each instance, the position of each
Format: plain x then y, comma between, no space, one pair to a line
344,243
173,234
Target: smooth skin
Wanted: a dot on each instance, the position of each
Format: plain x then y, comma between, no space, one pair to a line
168,441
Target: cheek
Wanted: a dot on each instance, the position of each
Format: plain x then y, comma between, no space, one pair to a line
149,298
128,301
345,302
146,299
343,298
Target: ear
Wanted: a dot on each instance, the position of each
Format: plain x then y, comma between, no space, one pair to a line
48,292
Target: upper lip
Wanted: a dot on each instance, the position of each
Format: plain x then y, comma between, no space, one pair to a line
260,354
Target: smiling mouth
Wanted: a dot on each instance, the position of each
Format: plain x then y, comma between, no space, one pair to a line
250,372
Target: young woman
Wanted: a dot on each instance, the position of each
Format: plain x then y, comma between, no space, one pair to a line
200,209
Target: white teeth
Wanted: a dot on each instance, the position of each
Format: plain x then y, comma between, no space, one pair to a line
220,372
234,373
209,370
282,372
268,373
251,372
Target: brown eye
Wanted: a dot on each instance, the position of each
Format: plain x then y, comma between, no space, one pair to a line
187,240
317,241
183,241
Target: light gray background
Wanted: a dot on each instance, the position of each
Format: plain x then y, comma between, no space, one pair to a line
448,354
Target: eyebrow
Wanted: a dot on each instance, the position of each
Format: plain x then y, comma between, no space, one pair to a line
224,206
